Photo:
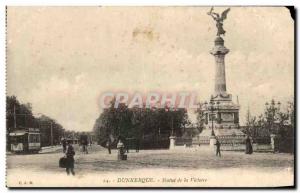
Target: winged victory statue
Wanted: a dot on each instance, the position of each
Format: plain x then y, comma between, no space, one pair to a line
219,19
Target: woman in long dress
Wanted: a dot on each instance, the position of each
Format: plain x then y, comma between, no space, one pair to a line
249,149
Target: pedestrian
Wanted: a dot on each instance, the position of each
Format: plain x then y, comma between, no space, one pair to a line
70,159
126,140
64,144
218,149
249,149
121,150
84,144
108,145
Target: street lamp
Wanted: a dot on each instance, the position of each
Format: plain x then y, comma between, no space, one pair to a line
272,108
171,123
212,107
172,137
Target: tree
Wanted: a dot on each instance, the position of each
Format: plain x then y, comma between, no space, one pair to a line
142,124
200,117
286,124
20,116
274,120
49,127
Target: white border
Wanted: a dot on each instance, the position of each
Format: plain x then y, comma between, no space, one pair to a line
148,2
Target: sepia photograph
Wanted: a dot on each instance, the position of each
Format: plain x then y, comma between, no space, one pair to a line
150,97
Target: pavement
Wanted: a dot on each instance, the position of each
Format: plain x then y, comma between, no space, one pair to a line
98,168
51,149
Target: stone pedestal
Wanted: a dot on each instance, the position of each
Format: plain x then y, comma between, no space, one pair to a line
172,142
254,146
212,142
273,142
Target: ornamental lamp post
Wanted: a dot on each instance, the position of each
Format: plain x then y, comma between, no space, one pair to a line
273,109
169,110
212,107
172,136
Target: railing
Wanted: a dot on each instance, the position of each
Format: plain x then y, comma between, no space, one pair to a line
183,141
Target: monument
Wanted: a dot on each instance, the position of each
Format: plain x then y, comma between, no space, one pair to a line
221,113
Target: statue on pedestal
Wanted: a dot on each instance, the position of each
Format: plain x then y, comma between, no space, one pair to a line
219,20
226,128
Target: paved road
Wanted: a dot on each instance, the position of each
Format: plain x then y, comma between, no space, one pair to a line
98,162
98,159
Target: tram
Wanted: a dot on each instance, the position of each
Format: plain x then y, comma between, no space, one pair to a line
26,140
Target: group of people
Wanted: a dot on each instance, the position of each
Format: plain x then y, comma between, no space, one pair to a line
69,152
127,144
248,143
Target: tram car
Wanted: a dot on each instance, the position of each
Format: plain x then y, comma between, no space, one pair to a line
26,140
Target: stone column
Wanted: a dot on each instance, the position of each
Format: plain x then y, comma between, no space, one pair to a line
273,142
172,142
219,51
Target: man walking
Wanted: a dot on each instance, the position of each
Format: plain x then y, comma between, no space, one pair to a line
84,143
218,149
70,159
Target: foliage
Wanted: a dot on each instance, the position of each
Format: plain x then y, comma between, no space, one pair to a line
274,121
144,124
45,123
19,116
255,127
200,118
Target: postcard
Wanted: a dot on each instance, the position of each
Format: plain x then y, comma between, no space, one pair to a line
144,97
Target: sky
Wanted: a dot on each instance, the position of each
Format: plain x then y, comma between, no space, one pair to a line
60,59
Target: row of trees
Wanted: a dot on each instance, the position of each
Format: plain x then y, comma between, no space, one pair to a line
274,120
157,124
20,116
150,126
